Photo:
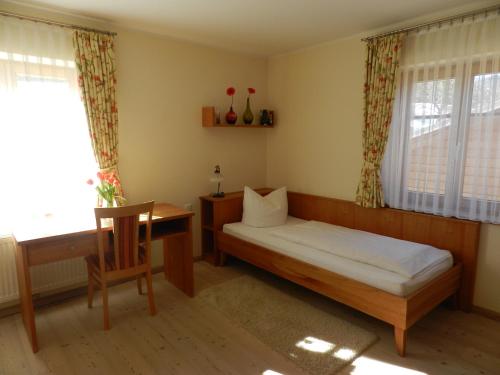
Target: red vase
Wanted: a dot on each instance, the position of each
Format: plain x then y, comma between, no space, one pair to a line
231,116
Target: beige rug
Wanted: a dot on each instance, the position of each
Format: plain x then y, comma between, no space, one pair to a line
275,312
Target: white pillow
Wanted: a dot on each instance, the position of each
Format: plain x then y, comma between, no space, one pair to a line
268,211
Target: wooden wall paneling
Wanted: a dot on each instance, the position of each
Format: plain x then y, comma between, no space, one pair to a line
310,207
416,228
447,234
381,221
344,214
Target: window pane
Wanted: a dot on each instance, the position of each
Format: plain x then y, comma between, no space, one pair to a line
45,146
482,160
486,93
431,108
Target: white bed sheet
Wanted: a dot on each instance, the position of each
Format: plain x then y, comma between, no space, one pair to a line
388,281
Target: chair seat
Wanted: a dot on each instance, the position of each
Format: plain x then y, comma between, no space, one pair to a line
109,260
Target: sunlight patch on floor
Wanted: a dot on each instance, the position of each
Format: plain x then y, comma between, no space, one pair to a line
344,354
271,372
369,366
313,344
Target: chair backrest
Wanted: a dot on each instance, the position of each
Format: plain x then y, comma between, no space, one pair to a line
125,221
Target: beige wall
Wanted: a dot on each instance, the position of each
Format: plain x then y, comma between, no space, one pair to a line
316,147
165,154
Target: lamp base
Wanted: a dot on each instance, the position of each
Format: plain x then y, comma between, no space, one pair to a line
218,195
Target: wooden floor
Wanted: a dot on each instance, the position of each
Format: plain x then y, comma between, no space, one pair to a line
189,337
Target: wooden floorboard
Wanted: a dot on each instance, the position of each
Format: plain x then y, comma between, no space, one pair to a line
190,337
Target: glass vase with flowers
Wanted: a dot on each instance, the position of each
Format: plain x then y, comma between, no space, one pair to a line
107,190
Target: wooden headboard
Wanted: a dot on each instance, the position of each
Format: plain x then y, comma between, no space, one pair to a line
460,237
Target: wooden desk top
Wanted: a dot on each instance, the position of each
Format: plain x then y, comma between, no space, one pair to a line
54,226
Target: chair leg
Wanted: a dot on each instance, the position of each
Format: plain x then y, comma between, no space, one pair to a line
139,284
400,338
90,291
151,299
105,305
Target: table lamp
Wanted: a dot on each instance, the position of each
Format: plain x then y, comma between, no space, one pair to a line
217,177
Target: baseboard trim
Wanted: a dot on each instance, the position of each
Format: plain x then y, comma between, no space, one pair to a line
486,313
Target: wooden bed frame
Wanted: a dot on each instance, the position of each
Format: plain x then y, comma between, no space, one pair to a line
460,237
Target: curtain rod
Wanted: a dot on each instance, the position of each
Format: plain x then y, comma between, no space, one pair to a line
55,23
440,21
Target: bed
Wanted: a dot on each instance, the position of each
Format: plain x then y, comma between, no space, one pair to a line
369,274
397,300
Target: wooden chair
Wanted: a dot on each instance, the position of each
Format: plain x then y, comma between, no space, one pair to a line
127,259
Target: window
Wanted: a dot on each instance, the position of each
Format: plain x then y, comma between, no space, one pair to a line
430,121
443,153
482,151
45,149
430,127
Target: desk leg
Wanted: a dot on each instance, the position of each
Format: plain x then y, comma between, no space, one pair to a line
166,252
178,260
25,295
188,259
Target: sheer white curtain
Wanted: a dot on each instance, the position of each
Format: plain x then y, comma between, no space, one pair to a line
45,150
443,153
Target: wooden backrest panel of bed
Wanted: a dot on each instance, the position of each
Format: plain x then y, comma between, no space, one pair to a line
460,237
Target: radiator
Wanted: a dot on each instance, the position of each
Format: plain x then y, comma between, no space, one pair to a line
44,278
8,278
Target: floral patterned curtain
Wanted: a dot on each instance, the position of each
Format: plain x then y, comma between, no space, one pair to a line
95,62
381,66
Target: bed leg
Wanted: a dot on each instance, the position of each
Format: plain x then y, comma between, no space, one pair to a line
222,259
453,302
400,338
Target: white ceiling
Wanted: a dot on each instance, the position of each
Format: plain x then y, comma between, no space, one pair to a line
263,27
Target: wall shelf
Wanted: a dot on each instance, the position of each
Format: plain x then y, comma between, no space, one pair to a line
253,126
208,121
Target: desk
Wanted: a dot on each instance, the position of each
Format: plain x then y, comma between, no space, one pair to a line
53,238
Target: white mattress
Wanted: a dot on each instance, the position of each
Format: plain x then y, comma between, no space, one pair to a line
388,281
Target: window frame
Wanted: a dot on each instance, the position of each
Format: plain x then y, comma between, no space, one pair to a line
459,126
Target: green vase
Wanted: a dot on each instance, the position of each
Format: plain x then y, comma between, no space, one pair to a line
248,115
